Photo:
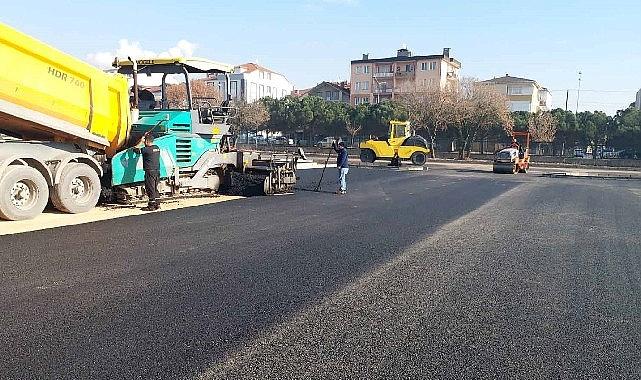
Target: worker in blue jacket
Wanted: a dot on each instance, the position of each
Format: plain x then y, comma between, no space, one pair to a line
342,163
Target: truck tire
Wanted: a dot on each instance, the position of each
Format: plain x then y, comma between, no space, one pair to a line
367,155
24,193
78,190
418,158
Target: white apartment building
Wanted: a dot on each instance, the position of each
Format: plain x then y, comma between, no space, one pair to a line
250,82
638,101
523,94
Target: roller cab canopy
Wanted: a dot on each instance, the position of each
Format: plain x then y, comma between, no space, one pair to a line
173,66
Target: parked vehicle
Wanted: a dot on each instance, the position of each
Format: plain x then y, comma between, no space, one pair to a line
326,142
280,140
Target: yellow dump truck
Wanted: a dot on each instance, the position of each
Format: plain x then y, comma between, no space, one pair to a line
49,95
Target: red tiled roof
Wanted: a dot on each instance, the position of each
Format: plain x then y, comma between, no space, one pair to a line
250,67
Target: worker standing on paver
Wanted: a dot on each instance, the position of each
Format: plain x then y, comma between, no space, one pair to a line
151,166
342,163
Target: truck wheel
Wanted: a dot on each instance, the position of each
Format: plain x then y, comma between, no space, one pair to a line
367,155
418,158
23,193
78,190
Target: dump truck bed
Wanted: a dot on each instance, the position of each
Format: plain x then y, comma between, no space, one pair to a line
46,94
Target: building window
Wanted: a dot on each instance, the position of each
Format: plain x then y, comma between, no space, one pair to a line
269,76
365,85
423,66
335,95
366,69
432,65
361,100
515,91
359,69
283,95
253,92
427,82
408,68
357,86
233,89
261,91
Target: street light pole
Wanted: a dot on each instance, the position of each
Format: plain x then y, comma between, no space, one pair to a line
578,94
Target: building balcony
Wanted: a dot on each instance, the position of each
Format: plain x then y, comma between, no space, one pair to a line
383,75
404,75
383,90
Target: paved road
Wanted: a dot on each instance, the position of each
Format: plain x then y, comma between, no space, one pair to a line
442,274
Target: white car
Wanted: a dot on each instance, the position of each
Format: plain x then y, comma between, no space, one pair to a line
326,142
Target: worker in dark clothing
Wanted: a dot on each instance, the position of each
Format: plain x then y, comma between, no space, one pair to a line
342,163
151,166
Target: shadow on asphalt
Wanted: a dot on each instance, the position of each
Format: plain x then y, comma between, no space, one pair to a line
473,171
316,191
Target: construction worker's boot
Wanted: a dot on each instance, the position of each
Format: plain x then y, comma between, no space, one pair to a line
150,207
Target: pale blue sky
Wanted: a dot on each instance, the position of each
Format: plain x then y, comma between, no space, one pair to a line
313,40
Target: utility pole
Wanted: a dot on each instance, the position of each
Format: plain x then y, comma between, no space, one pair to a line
578,94
567,96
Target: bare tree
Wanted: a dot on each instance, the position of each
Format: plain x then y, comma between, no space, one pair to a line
177,94
352,129
250,116
428,109
542,126
473,109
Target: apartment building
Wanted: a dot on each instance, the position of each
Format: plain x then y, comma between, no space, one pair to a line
523,94
380,79
637,103
250,82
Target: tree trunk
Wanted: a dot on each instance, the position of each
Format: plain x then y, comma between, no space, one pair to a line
433,146
461,149
468,143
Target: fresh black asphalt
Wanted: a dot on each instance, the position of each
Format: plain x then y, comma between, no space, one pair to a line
411,275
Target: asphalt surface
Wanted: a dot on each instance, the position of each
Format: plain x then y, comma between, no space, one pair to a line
436,274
